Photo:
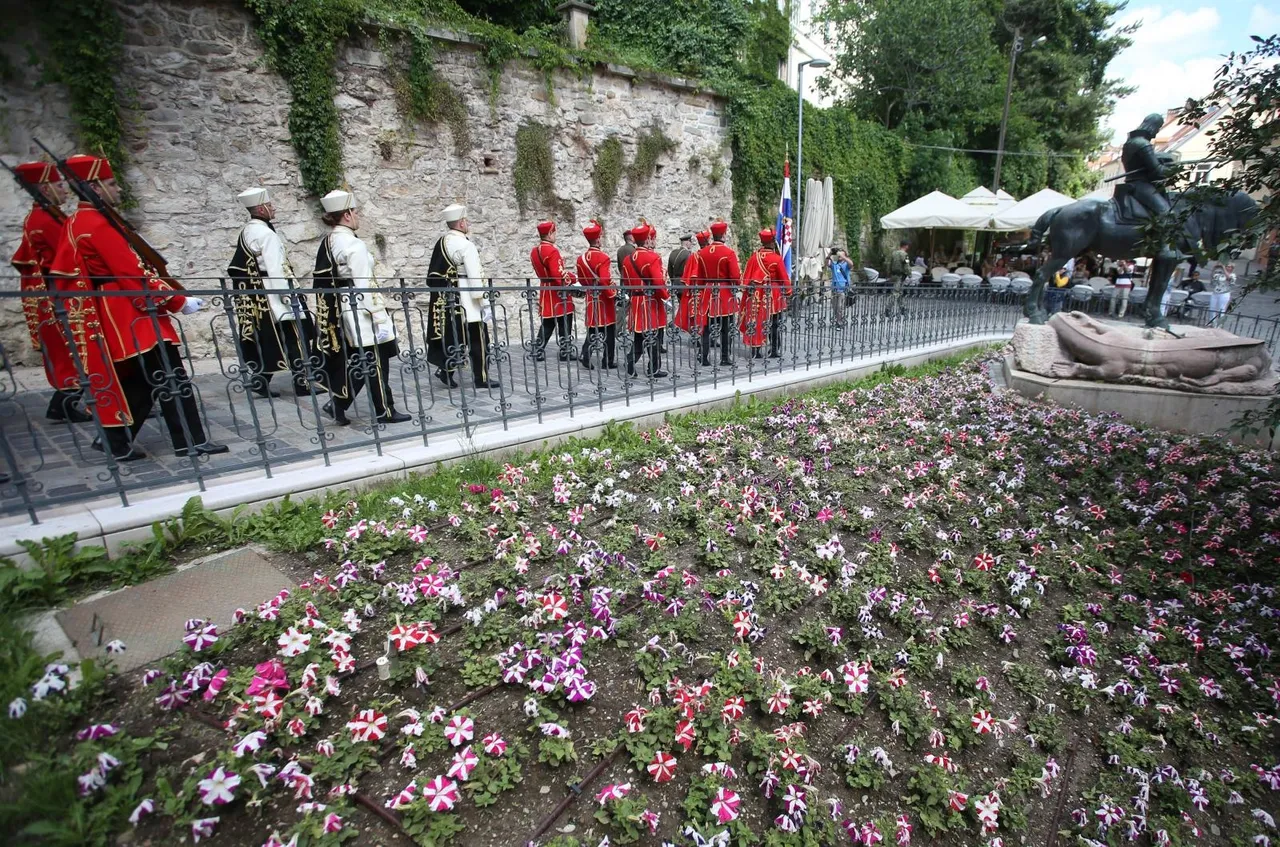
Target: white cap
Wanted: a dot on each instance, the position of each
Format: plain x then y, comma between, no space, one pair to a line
252,197
456,212
338,201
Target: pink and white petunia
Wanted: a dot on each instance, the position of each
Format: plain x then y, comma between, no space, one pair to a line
201,637
441,794
332,822
251,743
494,745
459,730
464,762
218,788
293,642
203,828
613,791
367,725
663,767
95,731
140,811
725,805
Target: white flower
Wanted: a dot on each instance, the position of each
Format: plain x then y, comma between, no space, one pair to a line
17,708
293,642
531,707
219,787
146,807
116,646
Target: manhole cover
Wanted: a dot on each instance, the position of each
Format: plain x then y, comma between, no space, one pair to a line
149,618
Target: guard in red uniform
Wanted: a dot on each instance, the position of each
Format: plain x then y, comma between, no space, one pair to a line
602,313
691,314
719,269
41,233
128,345
554,299
765,287
645,283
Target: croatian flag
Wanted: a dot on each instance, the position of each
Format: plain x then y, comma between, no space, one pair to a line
782,227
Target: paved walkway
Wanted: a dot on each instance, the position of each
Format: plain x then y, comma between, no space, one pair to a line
61,468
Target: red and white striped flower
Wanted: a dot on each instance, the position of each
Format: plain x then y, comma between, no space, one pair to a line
494,745
988,809
725,805
293,642
441,794
613,791
663,767
982,722
367,725
734,708
459,730
684,733
464,762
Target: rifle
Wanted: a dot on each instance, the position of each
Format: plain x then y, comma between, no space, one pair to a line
36,194
1179,164
148,254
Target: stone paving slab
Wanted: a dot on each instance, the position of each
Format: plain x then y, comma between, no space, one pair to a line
149,618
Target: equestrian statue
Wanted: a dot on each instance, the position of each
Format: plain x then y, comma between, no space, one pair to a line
1115,227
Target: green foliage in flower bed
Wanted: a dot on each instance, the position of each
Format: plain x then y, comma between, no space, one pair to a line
926,536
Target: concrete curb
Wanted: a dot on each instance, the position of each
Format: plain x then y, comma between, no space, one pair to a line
109,524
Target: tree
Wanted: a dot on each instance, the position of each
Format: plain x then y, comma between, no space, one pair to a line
925,59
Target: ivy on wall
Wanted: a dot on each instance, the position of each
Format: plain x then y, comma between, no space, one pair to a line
426,96
84,41
651,146
534,172
607,172
301,39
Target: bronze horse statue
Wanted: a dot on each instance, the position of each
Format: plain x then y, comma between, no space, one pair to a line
1096,226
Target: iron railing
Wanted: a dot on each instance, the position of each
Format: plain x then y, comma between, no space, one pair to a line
45,464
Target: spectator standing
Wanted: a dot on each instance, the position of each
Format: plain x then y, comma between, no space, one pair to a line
841,272
1220,284
1123,289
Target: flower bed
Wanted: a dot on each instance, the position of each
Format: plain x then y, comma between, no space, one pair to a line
920,613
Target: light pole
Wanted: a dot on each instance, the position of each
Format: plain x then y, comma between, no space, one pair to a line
795,221
1014,50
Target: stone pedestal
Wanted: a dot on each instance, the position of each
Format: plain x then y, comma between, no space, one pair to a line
576,15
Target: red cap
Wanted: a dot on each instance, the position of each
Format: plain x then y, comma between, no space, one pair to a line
545,228
90,168
766,236
719,228
38,173
592,230
703,238
641,233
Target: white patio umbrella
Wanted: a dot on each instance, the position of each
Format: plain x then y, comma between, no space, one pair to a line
812,228
1024,213
936,210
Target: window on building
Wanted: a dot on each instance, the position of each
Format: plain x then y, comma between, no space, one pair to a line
1200,175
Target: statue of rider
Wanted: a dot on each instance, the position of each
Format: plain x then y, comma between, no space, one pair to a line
1144,171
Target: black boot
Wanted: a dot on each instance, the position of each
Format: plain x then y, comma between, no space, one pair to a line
339,415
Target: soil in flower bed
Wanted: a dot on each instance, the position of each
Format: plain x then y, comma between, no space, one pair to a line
922,613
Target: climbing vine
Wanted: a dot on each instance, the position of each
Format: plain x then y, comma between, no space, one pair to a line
651,146
608,170
534,171
426,96
84,41
301,39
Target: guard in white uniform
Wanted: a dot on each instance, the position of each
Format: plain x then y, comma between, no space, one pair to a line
458,309
276,331
353,327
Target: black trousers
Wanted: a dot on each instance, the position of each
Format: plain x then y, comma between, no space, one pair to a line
608,336
563,328
372,365
477,351
652,340
726,340
295,356
64,404
775,335
157,375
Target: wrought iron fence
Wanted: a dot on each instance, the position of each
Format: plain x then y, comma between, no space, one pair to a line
212,382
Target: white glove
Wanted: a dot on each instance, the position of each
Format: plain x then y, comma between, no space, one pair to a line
486,314
383,334
191,305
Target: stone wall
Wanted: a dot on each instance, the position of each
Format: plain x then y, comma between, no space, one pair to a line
207,119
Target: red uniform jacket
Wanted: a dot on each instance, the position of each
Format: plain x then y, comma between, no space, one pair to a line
765,287
552,276
41,234
93,257
691,316
718,267
593,275
644,279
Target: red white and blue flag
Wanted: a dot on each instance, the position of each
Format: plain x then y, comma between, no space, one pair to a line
782,227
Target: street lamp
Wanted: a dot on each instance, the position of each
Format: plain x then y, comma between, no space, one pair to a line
795,221
1014,50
